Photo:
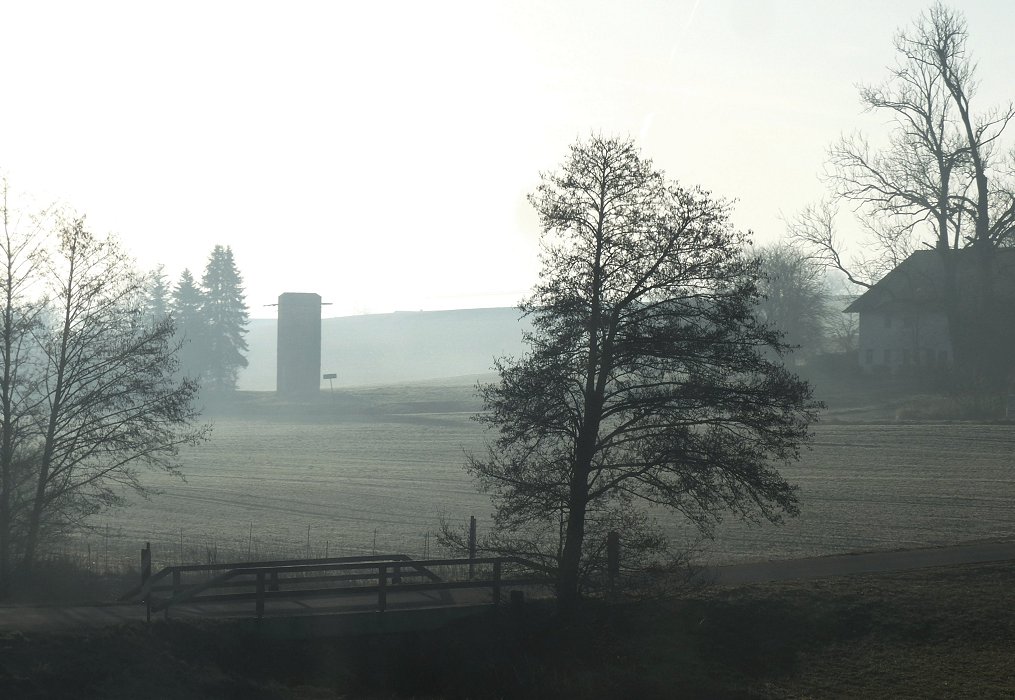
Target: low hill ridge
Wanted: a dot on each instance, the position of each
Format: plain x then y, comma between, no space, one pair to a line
404,346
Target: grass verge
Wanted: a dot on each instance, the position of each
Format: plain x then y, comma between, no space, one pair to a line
947,633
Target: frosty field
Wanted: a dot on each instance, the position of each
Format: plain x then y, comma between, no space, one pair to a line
352,485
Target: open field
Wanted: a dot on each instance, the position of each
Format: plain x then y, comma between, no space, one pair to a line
378,479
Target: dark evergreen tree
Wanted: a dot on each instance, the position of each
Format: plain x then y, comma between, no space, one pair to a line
191,331
224,311
157,296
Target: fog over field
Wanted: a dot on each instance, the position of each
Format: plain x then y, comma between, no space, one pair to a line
379,480
404,346
371,465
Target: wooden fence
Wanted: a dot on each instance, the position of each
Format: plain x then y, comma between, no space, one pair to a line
295,579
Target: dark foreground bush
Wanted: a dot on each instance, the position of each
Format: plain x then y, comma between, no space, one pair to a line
60,580
944,633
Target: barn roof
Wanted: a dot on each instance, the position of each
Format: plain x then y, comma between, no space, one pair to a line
918,281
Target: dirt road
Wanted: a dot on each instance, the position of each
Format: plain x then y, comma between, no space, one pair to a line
863,563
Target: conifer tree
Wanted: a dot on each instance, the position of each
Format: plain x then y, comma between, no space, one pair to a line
224,311
158,295
191,331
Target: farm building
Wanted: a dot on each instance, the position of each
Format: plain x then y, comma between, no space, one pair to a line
903,318
299,343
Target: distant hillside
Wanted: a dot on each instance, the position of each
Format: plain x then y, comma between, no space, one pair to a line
406,346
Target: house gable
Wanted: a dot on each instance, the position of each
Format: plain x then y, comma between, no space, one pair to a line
903,320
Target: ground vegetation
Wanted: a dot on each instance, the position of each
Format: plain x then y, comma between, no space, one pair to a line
935,633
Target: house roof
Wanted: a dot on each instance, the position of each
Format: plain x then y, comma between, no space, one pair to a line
918,281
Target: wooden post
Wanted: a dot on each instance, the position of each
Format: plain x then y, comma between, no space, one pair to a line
146,573
382,587
613,559
496,583
259,605
472,545
517,603
396,575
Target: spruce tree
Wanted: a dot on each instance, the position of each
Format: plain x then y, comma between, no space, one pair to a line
191,331
157,297
224,311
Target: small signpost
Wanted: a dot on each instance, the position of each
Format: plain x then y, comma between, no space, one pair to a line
331,381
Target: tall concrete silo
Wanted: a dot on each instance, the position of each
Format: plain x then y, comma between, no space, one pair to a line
299,344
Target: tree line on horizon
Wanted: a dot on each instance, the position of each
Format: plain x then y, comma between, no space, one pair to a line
210,319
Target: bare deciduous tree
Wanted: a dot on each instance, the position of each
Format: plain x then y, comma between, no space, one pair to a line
942,181
646,380
88,393
931,184
794,297
21,257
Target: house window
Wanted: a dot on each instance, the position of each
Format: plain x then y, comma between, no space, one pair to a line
888,357
870,356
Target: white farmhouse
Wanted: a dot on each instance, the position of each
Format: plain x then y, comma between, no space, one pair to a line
903,323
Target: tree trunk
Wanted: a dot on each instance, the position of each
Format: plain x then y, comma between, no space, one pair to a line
5,532
574,537
55,410
34,527
45,464
7,430
6,483
570,565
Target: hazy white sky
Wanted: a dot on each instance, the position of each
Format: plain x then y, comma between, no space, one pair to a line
379,153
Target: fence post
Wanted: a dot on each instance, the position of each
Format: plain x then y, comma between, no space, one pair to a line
517,603
396,575
472,545
496,584
613,559
146,573
259,605
382,587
